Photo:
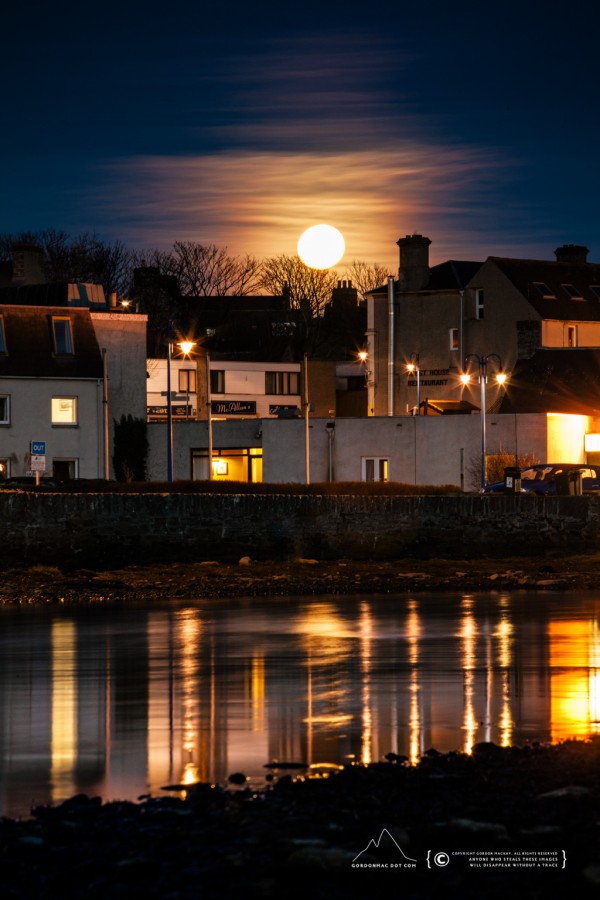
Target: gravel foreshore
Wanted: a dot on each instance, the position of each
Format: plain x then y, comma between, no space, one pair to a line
499,822
264,578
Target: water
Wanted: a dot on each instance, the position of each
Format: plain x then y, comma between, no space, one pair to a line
123,700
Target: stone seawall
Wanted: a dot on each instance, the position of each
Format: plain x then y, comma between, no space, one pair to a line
115,529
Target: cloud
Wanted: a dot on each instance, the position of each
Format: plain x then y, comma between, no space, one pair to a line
313,132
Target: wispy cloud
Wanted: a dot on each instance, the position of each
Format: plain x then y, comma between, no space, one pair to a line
314,133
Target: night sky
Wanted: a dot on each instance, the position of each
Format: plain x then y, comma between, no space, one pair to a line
241,124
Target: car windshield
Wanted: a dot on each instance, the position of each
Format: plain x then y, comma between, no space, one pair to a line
536,474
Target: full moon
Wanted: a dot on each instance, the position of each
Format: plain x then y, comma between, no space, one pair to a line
321,246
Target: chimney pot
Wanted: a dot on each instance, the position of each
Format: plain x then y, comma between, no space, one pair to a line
572,253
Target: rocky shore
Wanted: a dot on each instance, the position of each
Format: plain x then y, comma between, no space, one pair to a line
520,822
252,578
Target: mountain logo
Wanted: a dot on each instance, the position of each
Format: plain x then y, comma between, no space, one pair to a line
387,848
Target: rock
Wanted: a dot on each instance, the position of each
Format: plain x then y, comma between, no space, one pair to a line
237,778
245,561
575,791
307,562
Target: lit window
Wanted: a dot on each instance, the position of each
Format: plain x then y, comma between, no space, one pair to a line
454,338
282,382
217,381
4,410
2,337
64,410
573,292
187,381
4,469
63,341
544,290
375,468
479,303
595,289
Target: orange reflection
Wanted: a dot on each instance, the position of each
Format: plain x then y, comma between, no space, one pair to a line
64,709
468,637
413,633
574,683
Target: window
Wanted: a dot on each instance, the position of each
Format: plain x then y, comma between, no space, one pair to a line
595,289
282,382
544,290
4,409
2,337
571,335
64,410
187,381
479,303
217,381
454,338
63,341
375,468
573,292
64,469
4,469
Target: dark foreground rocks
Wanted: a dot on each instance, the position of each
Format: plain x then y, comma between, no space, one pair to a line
499,823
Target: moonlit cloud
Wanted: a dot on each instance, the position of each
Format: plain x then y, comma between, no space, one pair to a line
313,135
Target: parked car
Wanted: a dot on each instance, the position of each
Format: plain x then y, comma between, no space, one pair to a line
545,478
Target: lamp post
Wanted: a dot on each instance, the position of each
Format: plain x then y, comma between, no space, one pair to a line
186,348
482,363
412,368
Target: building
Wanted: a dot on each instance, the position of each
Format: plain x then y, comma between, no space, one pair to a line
69,365
458,314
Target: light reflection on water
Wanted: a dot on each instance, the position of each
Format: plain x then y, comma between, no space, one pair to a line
122,700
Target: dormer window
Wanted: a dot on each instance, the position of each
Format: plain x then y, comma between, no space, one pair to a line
573,292
2,336
63,339
544,290
595,289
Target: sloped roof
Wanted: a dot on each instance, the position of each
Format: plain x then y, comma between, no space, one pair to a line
30,345
562,381
61,293
525,273
452,275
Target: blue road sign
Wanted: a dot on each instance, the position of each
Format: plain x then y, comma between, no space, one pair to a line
38,448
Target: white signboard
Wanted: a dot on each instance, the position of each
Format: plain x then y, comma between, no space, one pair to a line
38,463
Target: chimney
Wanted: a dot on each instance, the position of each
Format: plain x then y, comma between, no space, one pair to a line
27,264
571,253
413,272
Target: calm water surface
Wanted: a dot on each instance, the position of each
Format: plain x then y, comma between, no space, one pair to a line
123,700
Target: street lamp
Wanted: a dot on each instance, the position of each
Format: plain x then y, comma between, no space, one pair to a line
482,362
186,348
412,368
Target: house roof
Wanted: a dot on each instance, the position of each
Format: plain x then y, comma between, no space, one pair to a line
559,302
452,275
555,380
54,294
30,345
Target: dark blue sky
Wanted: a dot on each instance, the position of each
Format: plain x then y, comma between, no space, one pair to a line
476,124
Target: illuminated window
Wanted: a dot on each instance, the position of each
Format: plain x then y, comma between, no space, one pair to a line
64,410
282,382
4,469
187,381
2,337
217,381
63,340
375,468
4,409
544,290
454,338
573,292
479,303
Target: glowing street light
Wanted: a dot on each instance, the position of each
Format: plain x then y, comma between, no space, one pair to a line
186,348
482,362
412,368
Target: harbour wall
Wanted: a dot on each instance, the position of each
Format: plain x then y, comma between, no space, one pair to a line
105,530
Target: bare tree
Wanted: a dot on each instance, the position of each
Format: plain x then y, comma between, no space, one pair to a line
366,276
307,288
205,270
84,258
